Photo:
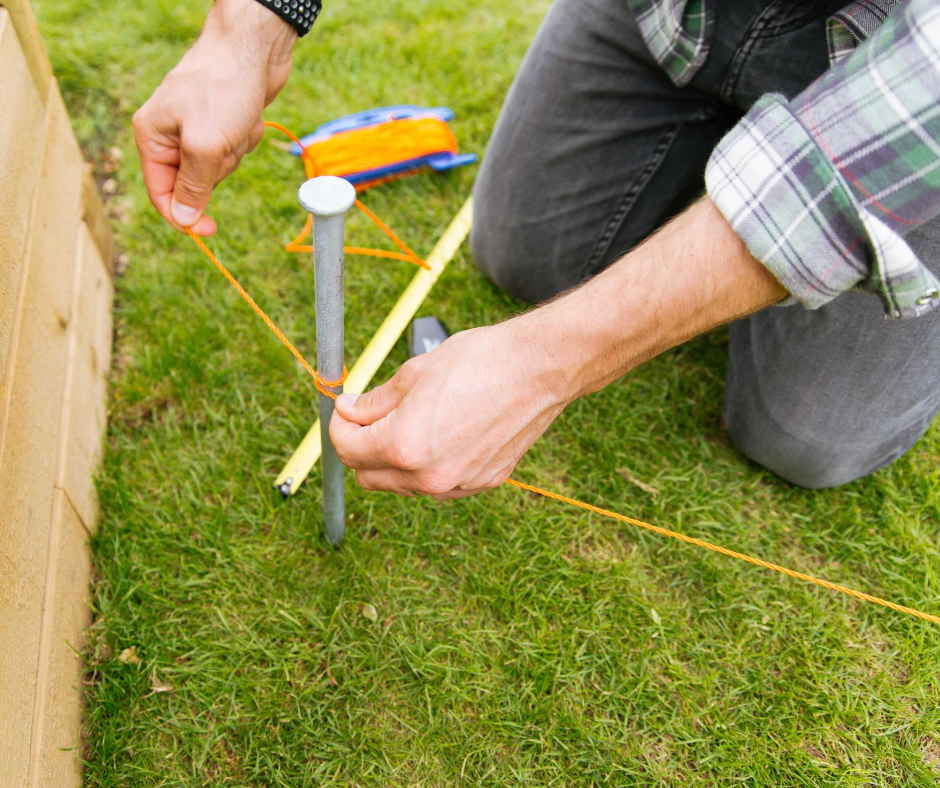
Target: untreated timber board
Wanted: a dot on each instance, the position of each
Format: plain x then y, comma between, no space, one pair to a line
85,406
30,439
94,216
20,152
56,739
31,43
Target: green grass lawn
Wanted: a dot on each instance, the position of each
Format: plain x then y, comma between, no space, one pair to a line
515,641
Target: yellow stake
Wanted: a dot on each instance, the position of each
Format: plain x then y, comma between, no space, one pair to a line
305,456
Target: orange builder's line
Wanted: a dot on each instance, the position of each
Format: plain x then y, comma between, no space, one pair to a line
731,553
324,386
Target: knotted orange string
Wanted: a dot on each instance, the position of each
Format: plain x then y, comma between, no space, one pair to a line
324,386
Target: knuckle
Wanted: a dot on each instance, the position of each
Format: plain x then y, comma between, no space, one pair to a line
342,454
189,186
364,482
408,372
190,191
366,400
202,148
497,480
435,483
407,455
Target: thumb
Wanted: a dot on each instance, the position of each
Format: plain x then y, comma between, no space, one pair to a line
365,409
197,176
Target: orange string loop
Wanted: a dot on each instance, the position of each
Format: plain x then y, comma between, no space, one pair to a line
313,167
394,238
324,385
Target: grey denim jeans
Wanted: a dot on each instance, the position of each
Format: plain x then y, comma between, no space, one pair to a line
595,148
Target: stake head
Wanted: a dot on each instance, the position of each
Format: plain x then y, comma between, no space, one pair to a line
327,195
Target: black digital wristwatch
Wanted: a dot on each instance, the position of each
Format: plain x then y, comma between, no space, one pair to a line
299,14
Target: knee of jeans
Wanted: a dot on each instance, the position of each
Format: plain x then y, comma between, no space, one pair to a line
510,263
814,464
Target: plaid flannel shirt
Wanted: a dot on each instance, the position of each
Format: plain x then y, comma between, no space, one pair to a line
823,188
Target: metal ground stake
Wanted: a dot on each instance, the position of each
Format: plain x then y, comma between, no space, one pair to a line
327,198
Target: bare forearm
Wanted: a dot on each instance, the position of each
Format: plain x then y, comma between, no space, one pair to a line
691,276
249,32
457,420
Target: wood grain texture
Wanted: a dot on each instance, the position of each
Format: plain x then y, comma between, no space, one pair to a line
93,214
27,31
55,346
29,442
84,414
57,722
57,716
20,153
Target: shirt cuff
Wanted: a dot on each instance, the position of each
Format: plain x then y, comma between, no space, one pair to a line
787,201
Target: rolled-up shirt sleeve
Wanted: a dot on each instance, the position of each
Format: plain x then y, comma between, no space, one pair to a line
824,188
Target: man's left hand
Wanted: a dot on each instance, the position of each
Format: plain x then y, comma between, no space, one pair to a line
452,422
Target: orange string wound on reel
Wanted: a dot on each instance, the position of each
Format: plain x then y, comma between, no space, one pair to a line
378,145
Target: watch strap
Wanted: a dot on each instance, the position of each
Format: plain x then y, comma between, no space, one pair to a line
299,14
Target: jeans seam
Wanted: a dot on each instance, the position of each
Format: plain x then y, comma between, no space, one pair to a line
627,201
742,54
763,28
630,196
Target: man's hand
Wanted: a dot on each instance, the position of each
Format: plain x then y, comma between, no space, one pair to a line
206,115
456,421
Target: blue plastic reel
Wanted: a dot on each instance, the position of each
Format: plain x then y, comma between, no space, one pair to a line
370,117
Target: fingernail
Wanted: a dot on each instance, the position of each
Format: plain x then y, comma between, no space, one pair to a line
347,400
183,214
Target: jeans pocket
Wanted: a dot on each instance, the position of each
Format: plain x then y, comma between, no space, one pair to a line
782,52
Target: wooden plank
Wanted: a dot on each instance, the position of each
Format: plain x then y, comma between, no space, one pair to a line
85,409
31,43
20,154
55,746
29,442
93,214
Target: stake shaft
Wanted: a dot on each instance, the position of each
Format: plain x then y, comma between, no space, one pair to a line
327,199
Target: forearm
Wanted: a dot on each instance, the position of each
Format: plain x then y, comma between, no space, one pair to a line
691,276
250,32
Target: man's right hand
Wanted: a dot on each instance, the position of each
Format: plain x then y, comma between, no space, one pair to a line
206,114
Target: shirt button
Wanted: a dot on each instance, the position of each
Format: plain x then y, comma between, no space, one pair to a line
927,297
